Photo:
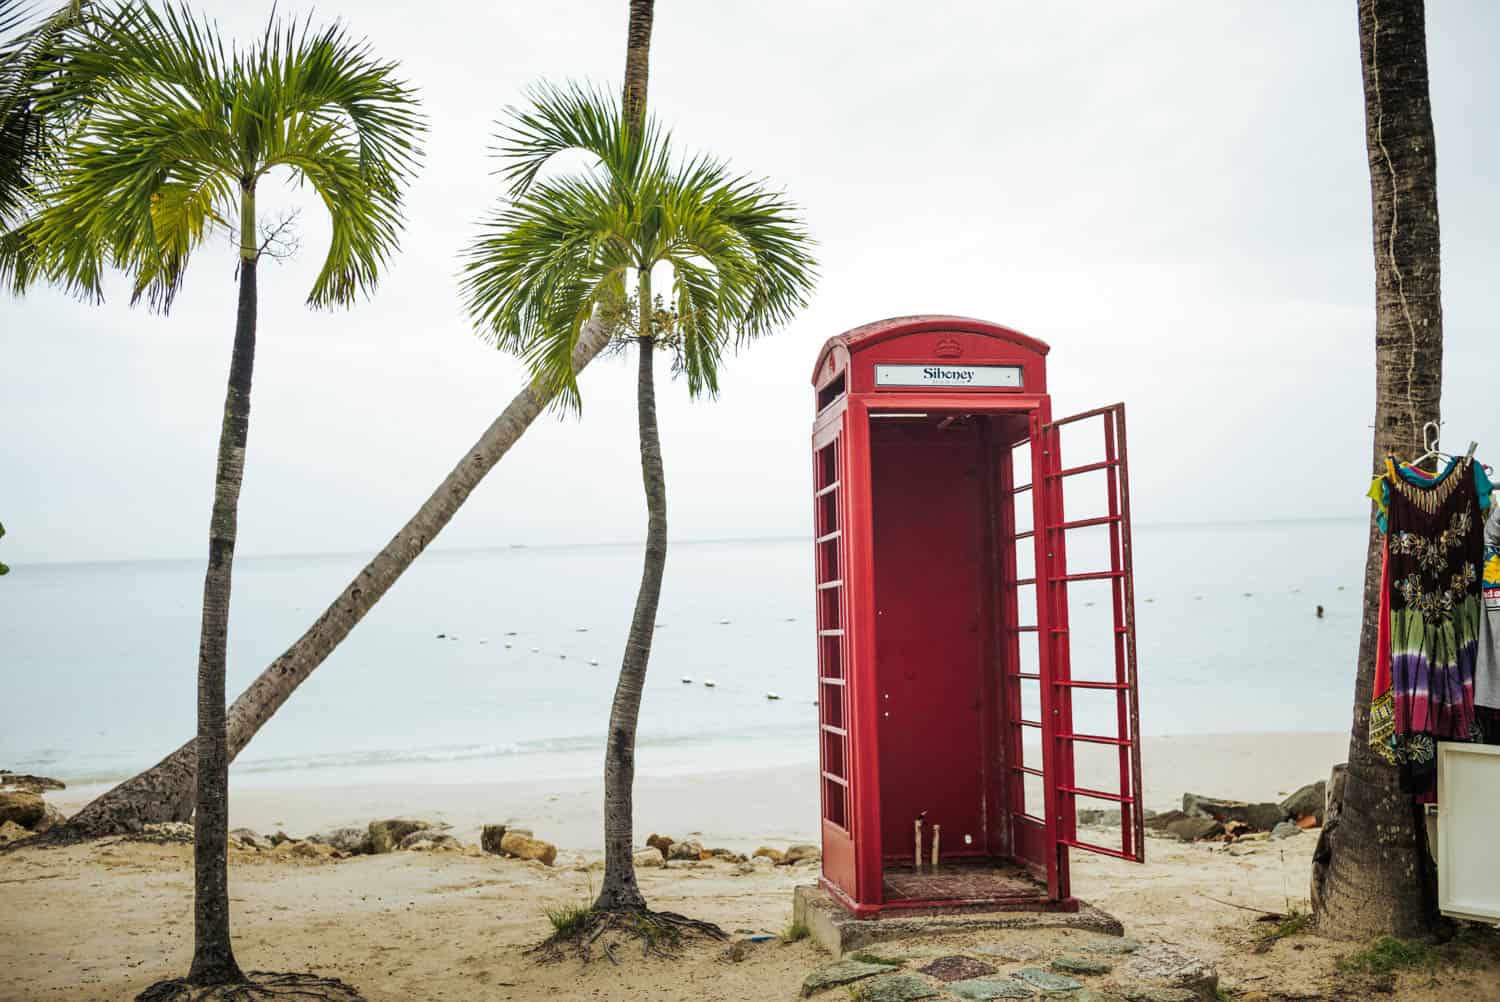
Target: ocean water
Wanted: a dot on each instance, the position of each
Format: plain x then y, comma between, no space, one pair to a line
97,661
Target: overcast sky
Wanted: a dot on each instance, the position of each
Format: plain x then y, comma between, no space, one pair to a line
1173,195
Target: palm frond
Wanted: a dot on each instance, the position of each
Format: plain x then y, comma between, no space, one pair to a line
576,117
29,139
558,250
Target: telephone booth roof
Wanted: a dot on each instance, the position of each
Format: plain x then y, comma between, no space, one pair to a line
1007,343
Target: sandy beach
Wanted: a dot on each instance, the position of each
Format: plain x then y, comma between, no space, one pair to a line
739,809
452,925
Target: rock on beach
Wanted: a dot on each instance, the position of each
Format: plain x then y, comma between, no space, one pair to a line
526,847
386,835
22,807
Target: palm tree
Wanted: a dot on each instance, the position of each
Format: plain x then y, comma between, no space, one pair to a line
558,251
180,135
164,792
1371,875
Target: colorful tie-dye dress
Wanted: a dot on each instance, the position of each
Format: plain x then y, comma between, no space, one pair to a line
1434,545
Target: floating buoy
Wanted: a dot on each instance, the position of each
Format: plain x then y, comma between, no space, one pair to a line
772,695
709,683
686,680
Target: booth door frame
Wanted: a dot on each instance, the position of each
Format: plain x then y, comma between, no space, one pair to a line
1053,576
854,429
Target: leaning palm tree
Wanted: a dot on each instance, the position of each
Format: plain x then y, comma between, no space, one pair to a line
560,252
181,136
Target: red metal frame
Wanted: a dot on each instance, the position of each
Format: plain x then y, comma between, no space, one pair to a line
855,860
1126,739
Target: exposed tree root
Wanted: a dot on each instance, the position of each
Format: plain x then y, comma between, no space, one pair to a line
261,985
661,934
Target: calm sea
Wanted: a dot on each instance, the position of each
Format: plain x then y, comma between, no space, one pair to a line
97,671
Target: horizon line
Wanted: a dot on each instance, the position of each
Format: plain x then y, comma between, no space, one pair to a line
492,547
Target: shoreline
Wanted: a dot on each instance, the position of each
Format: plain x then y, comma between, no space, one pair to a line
738,808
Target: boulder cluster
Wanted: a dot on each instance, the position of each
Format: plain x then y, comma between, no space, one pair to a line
1220,820
383,836
663,849
23,811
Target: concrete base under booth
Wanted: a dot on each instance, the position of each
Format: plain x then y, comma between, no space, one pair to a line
838,932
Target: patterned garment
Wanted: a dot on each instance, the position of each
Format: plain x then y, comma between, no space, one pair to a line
1431,582
1487,669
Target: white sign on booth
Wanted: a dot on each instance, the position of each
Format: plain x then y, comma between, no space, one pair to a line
941,374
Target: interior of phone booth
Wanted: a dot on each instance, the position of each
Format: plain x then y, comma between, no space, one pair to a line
948,609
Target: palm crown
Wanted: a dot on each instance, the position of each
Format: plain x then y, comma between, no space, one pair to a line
172,131
559,249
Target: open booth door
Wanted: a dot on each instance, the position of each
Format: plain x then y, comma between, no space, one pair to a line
1088,650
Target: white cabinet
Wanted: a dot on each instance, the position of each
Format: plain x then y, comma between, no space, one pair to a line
1468,851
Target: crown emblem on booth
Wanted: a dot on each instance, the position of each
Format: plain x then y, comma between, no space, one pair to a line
948,348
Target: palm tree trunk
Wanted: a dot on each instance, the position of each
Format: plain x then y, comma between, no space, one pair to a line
620,890
638,61
213,956
1373,876
164,792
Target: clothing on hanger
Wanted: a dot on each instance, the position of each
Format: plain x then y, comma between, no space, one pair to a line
1431,613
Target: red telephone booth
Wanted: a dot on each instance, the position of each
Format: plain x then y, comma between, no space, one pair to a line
976,687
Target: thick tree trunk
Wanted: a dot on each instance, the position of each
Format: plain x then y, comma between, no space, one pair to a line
620,890
164,792
1373,877
213,954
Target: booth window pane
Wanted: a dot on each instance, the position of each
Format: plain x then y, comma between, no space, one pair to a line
828,468
828,608
1031,698
833,755
1020,468
828,513
1026,605
1026,563
828,560
834,806
831,392
831,661
1035,800
831,703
